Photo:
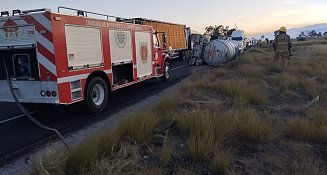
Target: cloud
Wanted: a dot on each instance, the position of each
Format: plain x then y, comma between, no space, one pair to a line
290,1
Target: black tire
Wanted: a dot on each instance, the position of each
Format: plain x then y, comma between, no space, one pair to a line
166,73
96,95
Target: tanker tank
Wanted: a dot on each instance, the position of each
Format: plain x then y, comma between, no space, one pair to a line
218,52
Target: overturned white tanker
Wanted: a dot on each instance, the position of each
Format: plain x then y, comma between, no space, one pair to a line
218,52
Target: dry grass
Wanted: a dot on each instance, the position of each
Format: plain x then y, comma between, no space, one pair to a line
166,153
301,128
225,127
210,127
198,127
255,129
310,42
321,123
166,108
311,87
200,122
245,92
207,130
274,68
139,128
313,126
201,146
109,143
250,71
310,61
151,171
124,161
51,163
200,85
82,157
286,81
221,161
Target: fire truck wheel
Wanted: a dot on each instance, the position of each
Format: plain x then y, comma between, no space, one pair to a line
166,73
96,97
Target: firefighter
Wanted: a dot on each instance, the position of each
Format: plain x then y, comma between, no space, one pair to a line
282,46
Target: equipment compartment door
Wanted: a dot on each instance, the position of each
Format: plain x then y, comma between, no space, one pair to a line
120,47
143,54
84,46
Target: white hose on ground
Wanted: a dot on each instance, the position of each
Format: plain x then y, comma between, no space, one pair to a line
23,109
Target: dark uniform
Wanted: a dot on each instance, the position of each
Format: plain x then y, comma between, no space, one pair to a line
282,46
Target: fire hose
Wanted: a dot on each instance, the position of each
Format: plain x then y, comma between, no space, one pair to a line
30,117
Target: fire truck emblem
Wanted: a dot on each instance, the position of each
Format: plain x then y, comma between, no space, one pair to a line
11,32
121,39
144,51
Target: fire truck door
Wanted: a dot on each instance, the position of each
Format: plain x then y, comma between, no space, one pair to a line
143,53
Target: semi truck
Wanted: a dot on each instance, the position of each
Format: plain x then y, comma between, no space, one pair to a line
56,58
174,38
239,36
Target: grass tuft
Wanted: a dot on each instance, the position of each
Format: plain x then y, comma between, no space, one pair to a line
246,92
310,86
165,109
255,129
207,130
201,146
285,81
302,128
51,163
82,157
275,68
120,162
109,143
221,161
139,128
166,153
250,70
225,127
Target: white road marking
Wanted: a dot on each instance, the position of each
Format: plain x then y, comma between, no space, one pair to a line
13,118
23,115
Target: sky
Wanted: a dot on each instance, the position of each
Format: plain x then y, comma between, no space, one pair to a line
255,17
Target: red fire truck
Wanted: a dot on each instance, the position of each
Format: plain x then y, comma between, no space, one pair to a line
57,58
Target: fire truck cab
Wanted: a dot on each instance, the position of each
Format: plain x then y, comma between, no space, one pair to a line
57,58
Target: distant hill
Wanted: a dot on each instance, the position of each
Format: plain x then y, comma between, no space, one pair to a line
294,32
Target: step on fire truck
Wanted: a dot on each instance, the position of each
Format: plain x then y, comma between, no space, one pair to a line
57,58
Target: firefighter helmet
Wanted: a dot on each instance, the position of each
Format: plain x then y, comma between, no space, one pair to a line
282,29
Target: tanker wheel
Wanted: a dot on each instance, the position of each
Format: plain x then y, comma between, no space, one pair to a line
166,73
96,96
